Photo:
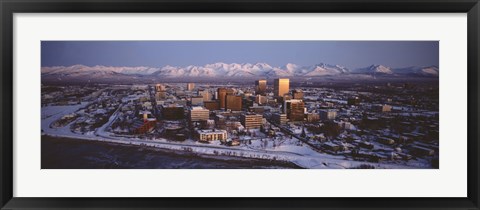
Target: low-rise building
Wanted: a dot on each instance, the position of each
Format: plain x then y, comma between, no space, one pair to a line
297,94
211,105
353,101
259,99
212,135
161,95
198,114
313,117
173,112
250,120
196,100
328,114
144,126
383,108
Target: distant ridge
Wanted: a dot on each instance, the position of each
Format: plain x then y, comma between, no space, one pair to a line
232,71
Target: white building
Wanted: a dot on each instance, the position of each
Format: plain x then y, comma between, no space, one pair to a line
199,114
212,135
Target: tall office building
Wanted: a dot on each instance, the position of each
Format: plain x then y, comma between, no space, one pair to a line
160,92
205,94
261,87
160,87
295,109
222,95
281,86
233,102
190,86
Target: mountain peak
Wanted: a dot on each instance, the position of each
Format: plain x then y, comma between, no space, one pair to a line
234,70
375,68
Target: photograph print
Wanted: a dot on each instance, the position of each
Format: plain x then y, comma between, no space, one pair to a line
240,104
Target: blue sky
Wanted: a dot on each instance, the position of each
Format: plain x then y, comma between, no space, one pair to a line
351,54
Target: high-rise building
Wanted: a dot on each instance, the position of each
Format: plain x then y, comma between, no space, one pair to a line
261,86
250,121
198,114
190,86
222,95
295,109
160,92
160,87
281,86
297,94
205,94
233,102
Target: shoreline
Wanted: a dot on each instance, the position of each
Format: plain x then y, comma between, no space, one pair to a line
275,164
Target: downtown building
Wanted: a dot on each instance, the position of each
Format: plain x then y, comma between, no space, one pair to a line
173,112
297,94
160,92
259,99
196,101
261,87
281,86
160,87
250,121
190,86
295,109
233,103
205,94
197,114
211,105
328,114
222,96
212,135
279,118
382,108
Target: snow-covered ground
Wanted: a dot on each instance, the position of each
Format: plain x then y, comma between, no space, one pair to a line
290,150
52,113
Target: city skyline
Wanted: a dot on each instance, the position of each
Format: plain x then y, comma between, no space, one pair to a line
253,115
351,54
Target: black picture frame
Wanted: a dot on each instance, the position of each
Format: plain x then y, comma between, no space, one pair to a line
9,7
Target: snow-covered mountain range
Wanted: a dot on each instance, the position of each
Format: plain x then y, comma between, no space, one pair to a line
232,70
